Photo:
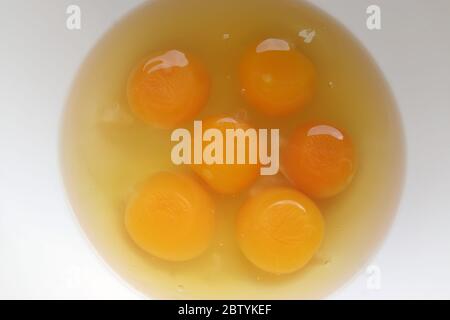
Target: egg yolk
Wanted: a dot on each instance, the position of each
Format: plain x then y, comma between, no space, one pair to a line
168,89
171,217
227,178
277,79
320,160
279,230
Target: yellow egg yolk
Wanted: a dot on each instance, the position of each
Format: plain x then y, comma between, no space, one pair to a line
276,79
171,217
168,89
279,230
320,160
227,178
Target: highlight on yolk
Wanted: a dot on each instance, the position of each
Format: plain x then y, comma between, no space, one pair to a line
279,230
227,178
320,160
171,217
277,79
168,89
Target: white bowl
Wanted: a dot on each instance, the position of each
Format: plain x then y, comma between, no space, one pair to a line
41,251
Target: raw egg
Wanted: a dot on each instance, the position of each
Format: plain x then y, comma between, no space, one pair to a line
320,160
279,230
171,217
168,89
227,178
277,79
168,66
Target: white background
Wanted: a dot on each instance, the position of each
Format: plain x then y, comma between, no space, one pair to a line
43,253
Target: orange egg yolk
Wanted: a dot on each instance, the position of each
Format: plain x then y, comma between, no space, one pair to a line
320,160
168,89
277,79
279,230
227,178
171,217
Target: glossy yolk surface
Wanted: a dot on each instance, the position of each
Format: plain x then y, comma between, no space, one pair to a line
168,89
320,160
279,230
277,79
171,217
227,178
